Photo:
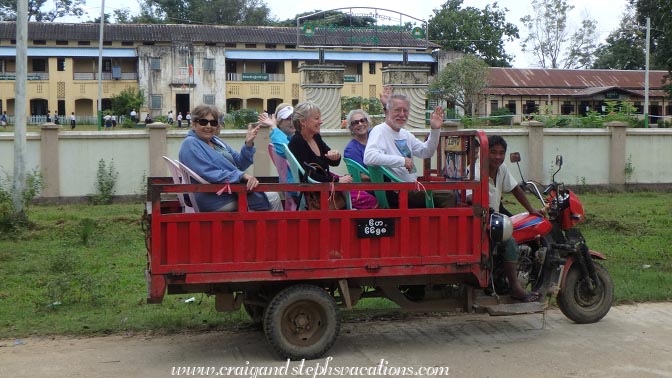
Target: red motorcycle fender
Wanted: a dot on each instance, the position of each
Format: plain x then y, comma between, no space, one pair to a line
570,261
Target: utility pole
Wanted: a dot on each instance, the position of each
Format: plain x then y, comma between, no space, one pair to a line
646,73
100,66
20,120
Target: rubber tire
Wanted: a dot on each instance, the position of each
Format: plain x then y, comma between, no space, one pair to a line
307,303
584,310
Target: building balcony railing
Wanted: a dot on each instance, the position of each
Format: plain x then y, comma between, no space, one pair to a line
352,78
254,76
105,76
31,76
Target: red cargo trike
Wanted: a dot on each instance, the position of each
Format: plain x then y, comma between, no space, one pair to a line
294,270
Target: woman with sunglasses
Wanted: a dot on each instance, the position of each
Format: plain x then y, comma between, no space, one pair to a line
216,162
359,124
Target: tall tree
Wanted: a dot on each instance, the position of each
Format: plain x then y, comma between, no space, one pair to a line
219,12
660,13
461,83
42,10
550,39
336,18
481,32
624,48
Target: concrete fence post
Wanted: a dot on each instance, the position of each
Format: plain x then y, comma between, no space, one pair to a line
535,150
50,160
617,152
157,149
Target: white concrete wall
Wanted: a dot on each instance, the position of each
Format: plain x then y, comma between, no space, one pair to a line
585,152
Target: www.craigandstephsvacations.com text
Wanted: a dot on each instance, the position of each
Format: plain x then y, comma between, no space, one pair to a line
319,368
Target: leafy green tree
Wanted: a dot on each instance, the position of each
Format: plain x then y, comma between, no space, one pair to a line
481,32
127,100
624,48
336,18
217,12
370,105
42,10
461,83
660,13
550,40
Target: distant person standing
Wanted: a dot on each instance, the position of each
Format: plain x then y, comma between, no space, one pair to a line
108,121
134,116
188,118
170,117
179,119
3,120
114,120
73,121
48,116
56,120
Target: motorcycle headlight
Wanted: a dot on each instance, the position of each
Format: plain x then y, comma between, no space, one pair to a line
501,227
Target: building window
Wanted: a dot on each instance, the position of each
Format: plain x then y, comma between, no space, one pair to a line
494,106
39,42
39,65
60,64
107,65
231,67
127,43
208,64
155,101
512,107
270,67
250,45
148,43
372,68
567,108
84,43
107,43
61,43
2,65
270,45
639,107
531,107
290,46
209,99
155,64
230,45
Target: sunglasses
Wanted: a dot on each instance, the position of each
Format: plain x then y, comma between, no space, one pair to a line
204,122
356,122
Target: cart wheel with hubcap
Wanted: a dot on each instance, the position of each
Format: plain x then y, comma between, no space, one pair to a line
302,321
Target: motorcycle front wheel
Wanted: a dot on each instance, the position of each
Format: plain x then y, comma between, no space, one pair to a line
578,303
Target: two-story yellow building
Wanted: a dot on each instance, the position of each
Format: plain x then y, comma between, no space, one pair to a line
180,66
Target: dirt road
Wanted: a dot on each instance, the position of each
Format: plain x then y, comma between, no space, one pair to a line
631,341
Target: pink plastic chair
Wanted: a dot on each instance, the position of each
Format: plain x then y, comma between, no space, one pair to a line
178,178
282,166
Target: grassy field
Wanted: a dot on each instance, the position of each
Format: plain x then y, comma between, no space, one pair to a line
79,271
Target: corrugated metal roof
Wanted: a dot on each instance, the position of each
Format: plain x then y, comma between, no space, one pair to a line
198,33
78,52
328,55
556,82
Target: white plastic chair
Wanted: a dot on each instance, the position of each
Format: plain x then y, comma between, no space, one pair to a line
281,165
178,178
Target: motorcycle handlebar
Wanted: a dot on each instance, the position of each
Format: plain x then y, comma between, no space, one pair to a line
535,190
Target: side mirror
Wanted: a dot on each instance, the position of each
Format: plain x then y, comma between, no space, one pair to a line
514,157
558,161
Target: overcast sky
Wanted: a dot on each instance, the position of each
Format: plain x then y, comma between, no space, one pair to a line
608,13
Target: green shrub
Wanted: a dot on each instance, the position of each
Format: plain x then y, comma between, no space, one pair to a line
106,178
501,116
12,220
242,117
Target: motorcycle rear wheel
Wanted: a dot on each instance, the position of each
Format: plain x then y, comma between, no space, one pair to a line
578,304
